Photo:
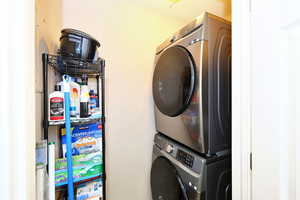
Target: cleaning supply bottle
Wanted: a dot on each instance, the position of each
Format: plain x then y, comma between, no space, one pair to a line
84,97
56,104
92,101
75,98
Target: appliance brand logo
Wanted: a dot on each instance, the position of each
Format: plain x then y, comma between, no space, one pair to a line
160,197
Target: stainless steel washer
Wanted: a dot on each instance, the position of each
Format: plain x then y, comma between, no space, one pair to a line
177,173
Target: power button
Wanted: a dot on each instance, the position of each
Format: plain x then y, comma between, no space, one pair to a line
173,39
169,148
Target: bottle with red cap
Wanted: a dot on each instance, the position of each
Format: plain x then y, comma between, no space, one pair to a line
56,104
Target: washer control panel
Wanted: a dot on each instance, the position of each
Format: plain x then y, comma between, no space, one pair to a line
180,153
185,158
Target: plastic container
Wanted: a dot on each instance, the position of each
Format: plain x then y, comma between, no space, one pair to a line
51,171
75,98
84,98
56,105
92,101
77,44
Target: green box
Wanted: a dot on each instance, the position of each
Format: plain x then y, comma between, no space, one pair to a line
85,166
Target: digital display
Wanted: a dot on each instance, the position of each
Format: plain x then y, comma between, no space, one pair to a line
185,158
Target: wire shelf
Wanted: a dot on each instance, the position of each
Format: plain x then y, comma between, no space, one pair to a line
74,66
75,121
83,180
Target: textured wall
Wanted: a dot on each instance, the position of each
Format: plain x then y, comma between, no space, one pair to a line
47,32
129,34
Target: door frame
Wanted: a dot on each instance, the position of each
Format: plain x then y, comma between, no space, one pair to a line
241,100
17,84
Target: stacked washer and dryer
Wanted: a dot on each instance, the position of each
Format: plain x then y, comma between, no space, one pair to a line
192,95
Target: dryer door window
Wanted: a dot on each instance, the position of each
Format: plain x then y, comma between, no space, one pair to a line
165,181
173,81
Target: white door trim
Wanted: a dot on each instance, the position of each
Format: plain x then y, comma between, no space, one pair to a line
241,100
17,87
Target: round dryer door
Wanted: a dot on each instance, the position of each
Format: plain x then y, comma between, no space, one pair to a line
165,181
173,81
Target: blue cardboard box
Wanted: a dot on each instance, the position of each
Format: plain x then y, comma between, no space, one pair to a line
86,138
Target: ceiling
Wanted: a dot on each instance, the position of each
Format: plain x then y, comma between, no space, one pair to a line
188,9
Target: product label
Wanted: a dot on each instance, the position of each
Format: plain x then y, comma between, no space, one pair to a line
86,138
74,96
85,97
90,191
85,166
56,108
84,94
92,103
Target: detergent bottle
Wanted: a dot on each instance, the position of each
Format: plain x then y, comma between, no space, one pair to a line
75,98
56,105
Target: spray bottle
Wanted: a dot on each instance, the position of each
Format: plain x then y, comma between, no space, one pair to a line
75,98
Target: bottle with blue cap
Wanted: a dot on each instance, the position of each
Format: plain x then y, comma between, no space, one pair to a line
92,101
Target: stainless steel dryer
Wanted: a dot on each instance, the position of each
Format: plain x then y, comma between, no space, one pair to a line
192,85
177,173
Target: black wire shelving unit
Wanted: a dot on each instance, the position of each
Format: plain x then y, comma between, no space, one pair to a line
75,68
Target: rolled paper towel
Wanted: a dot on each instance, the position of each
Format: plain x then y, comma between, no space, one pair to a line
40,182
51,170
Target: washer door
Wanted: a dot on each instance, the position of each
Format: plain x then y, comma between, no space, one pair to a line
165,181
219,180
173,81
224,186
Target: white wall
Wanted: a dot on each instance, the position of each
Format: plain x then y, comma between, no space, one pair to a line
130,116
17,86
266,102
48,22
290,97
129,34
268,62
47,32
275,88
186,10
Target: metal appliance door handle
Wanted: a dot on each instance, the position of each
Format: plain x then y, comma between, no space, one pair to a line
227,192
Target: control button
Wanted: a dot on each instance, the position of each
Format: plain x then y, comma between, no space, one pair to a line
194,41
173,39
169,148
